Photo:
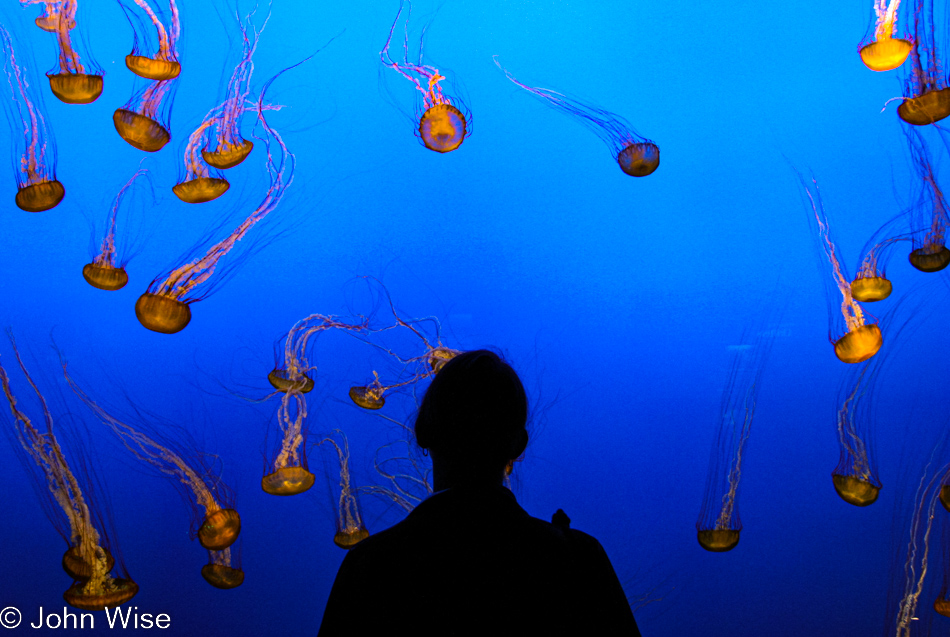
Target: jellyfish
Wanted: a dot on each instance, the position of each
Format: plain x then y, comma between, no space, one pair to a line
164,65
636,155
861,339
90,557
215,522
143,120
855,478
49,20
73,81
199,186
107,271
164,307
871,284
444,120
929,219
37,186
882,51
718,526
223,570
926,94
350,529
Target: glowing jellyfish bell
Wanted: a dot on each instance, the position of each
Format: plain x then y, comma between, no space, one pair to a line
198,186
930,219
164,64
107,271
369,396
350,529
142,121
73,81
444,121
884,51
854,478
637,156
926,97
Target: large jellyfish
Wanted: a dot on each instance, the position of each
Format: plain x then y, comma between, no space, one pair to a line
926,94
90,557
350,529
143,120
444,120
164,64
881,50
636,155
164,307
861,339
930,218
107,269
718,526
37,186
73,81
214,521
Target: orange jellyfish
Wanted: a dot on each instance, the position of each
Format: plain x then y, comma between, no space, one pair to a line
929,219
861,339
73,81
90,557
881,50
143,120
164,307
215,522
49,20
37,186
926,94
198,185
637,156
855,478
718,526
350,529
164,64
871,284
107,270
444,121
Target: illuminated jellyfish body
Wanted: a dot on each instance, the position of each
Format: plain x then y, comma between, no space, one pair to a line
215,522
72,81
52,14
444,121
861,340
164,307
37,186
718,526
106,271
637,156
930,218
90,557
855,479
882,50
871,284
926,94
164,64
198,185
350,529
143,120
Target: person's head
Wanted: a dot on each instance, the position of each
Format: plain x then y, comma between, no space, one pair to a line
474,413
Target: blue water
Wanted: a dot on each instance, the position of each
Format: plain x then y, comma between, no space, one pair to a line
620,301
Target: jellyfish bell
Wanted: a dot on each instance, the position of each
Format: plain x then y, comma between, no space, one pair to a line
860,344
228,156
105,277
76,88
870,289
51,23
221,576
140,131
930,258
43,195
932,106
281,381
162,313
439,356
121,591
639,159
201,189
718,540
885,54
287,481
856,491
349,539
368,397
80,569
220,529
942,606
442,128
152,69
945,496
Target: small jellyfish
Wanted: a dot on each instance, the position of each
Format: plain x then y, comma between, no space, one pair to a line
881,50
719,526
90,557
871,284
444,120
164,64
52,12
861,339
72,81
855,479
222,570
636,155
143,120
350,529
926,94
930,218
107,270
37,186
164,307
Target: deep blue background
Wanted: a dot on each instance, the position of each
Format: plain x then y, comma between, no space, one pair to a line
618,300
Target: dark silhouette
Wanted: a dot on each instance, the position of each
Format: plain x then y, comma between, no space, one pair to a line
469,560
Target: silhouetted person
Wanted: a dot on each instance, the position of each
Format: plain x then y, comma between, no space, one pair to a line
469,560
